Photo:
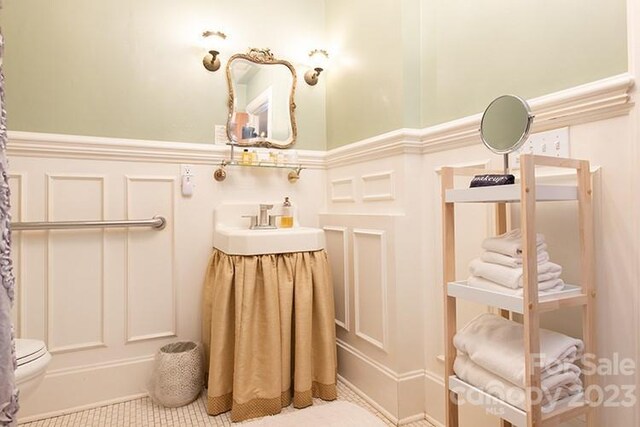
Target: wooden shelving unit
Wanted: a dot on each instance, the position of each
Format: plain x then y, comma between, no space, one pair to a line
530,304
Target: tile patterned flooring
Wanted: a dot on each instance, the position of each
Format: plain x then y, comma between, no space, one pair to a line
143,412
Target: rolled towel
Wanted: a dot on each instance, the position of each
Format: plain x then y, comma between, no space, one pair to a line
509,243
513,262
544,288
497,345
553,388
512,277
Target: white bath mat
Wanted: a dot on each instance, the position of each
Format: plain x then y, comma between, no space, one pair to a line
334,414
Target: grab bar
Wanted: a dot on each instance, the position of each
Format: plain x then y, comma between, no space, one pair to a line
157,222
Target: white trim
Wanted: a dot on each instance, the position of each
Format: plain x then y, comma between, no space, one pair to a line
346,198
388,372
345,271
433,421
18,260
633,53
32,144
81,408
49,291
380,176
381,234
130,338
367,399
594,101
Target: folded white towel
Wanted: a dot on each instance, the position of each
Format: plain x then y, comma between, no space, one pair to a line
553,388
512,277
497,345
544,288
514,262
509,243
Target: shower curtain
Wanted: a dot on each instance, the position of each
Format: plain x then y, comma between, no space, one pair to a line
269,333
8,392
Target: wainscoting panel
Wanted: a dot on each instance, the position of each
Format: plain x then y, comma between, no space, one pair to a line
337,245
370,286
16,184
75,259
151,282
378,187
105,300
342,190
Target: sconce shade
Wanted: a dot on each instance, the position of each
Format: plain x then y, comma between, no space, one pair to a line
319,58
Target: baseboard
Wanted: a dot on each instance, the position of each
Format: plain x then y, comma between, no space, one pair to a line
87,387
400,397
62,412
433,421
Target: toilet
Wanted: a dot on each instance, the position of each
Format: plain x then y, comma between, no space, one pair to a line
33,358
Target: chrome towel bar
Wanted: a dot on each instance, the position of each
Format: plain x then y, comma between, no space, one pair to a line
157,222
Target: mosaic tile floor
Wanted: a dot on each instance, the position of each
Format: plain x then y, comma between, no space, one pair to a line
143,413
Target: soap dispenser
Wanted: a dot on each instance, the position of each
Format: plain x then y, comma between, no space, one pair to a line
286,220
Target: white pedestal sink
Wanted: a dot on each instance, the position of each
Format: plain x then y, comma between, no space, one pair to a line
233,236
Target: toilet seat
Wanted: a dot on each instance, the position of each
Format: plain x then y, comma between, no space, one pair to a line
29,350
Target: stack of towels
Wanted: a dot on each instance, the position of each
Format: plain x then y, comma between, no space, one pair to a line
500,266
491,358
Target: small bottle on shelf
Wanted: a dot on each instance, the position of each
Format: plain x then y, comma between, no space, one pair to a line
286,220
246,157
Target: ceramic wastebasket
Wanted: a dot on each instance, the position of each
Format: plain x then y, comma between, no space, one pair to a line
178,375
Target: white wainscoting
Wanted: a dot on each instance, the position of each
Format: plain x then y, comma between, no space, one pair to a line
337,245
371,300
395,177
151,261
75,264
105,300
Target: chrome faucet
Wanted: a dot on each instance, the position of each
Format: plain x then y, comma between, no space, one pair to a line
264,221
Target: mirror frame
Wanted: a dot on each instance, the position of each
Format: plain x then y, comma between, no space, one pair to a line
263,56
524,135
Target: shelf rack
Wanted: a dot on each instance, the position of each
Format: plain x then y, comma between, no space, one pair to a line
220,174
530,304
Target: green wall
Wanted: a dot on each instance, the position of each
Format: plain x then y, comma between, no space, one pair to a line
132,69
416,63
373,83
530,48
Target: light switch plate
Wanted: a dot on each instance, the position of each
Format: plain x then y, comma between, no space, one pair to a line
554,143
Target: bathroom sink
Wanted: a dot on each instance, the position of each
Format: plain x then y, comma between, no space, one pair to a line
237,241
232,234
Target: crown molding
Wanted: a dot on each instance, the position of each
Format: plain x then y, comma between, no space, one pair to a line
31,144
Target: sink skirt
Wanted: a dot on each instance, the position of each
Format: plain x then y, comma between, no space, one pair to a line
268,332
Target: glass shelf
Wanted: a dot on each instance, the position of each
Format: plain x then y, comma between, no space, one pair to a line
263,165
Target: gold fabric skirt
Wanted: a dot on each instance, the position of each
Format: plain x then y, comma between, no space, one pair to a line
268,332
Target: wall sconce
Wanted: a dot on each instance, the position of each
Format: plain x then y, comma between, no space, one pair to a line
319,58
211,61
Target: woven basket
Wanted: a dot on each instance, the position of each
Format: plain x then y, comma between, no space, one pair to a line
178,376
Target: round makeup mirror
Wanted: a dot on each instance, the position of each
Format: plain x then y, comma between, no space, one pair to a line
505,125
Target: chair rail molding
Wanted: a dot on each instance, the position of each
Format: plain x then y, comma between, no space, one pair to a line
599,100
48,145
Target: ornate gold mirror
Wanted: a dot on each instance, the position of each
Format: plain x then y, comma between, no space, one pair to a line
261,100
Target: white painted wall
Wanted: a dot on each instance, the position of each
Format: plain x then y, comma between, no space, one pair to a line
105,301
